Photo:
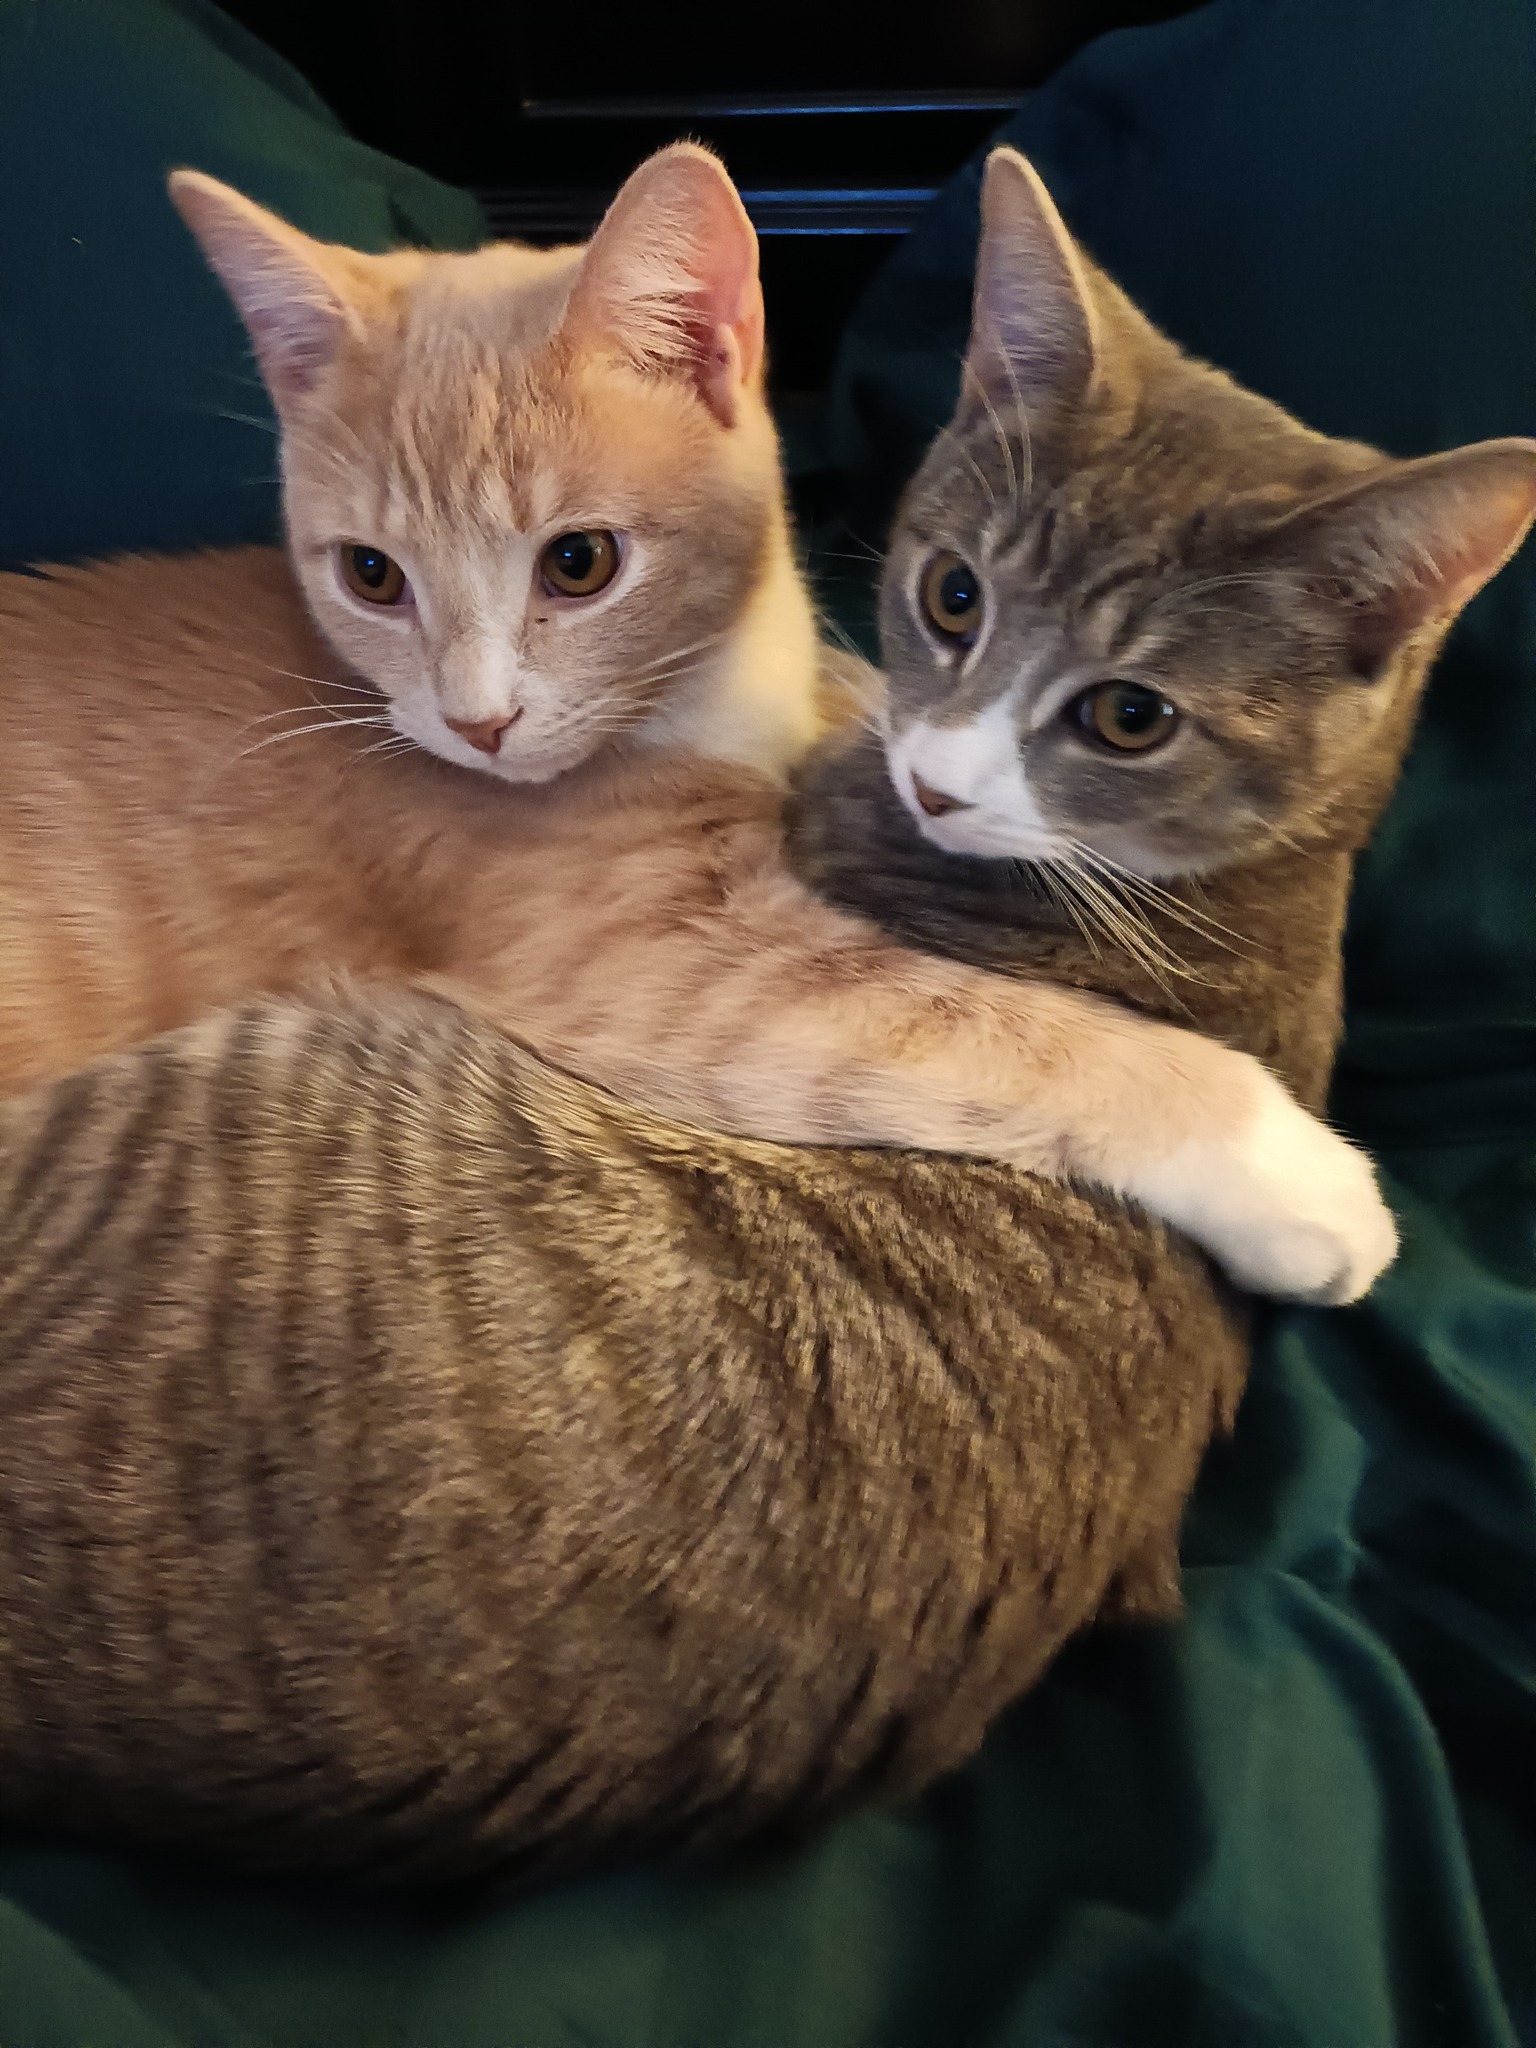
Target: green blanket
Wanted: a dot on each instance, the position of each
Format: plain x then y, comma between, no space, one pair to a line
1306,1815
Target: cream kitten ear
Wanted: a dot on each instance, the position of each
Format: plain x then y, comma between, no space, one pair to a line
671,279
1034,333
1410,544
288,289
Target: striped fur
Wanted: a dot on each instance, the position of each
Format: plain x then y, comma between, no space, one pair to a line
417,1462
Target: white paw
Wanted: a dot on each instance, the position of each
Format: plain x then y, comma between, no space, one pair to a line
1286,1205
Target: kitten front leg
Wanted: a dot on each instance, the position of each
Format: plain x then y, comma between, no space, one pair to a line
1286,1205
1192,1131
753,1007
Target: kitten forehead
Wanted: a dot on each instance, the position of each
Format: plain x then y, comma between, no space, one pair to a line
468,437
505,299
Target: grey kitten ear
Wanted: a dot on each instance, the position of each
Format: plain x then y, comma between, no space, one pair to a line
288,289
1034,332
1409,545
670,279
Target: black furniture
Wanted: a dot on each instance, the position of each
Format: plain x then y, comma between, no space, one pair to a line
837,122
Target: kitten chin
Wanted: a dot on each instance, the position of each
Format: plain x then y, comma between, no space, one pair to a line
535,497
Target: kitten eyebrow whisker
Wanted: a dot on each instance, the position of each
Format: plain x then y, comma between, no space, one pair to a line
865,552
1026,436
241,419
949,433
1015,501
1188,590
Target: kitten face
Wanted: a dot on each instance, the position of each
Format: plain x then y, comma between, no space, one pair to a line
1134,615
1151,695
528,493
489,484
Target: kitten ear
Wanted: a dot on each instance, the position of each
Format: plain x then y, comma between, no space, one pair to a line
671,278
286,287
1409,545
1034,332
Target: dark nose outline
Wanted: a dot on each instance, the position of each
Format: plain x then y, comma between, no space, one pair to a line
933,802
484,734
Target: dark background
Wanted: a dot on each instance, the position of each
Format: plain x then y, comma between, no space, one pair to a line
837,121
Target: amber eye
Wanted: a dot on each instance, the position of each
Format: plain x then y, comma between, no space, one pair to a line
370,574
580,564
952,597
1126,716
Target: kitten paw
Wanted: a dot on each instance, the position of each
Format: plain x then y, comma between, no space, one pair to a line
1287,1206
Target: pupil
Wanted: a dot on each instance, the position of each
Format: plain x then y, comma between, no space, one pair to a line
1136,710
576,557
371,566
957,592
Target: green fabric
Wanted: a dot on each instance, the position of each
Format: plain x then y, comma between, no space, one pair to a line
130,413
1305,1817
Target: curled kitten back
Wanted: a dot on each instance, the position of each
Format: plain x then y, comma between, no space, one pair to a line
1141,623
425,1465
534,496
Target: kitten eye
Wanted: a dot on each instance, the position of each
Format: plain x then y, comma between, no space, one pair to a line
372,575
579,564
1126,716
951,593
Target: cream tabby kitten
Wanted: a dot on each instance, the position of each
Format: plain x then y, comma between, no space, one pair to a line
534,501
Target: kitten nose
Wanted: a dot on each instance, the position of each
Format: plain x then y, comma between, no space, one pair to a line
933,801
484,734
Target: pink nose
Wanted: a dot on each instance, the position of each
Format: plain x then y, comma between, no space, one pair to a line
934,801
484,734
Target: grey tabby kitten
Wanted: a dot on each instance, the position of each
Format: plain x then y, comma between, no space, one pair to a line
418,1463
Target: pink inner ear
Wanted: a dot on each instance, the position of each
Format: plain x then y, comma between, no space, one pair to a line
1410,549
280,280
720,374
295,340
1429,588
671,276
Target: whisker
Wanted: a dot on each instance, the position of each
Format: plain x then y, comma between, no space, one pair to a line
385,749
1125,924
303,732
1026,437
1160,899
841,555
326,682
240,419
1051,881
676,655
305,710
1120,921
1209,583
